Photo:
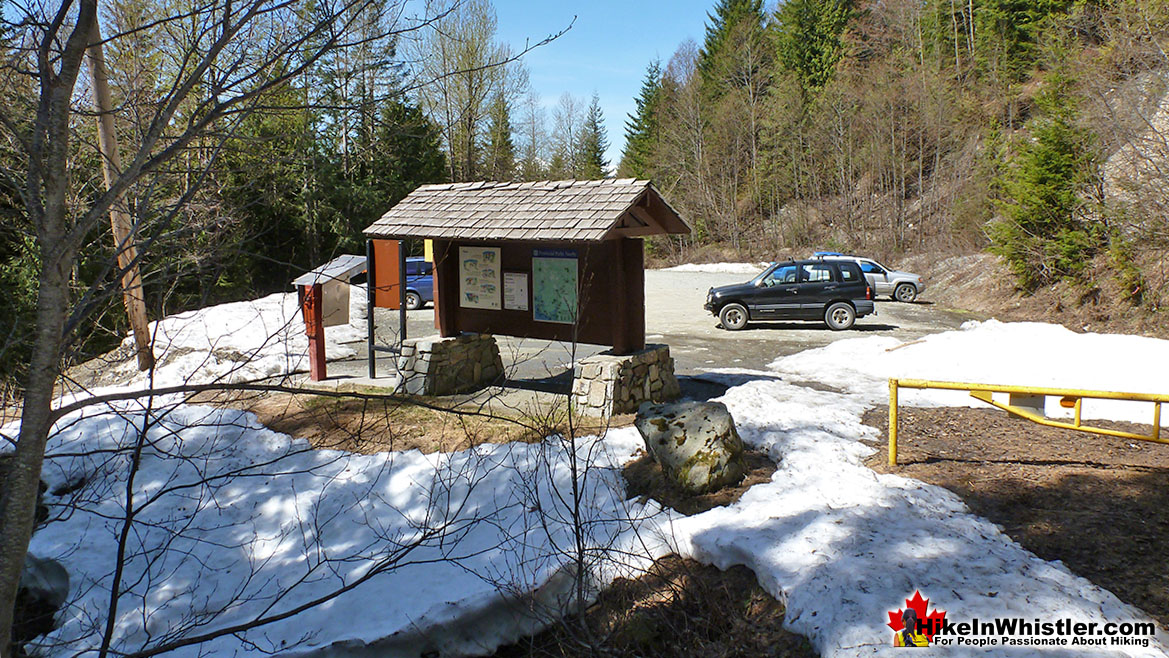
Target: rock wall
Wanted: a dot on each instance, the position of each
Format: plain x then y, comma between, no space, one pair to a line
446,366
607,384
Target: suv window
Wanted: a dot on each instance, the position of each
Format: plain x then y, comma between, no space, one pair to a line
784,274
849,272
869,267
816,272
417,268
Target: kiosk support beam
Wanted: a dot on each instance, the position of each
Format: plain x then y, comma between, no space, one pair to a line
370,277
401,294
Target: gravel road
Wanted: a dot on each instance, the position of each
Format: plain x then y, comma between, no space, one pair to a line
674,315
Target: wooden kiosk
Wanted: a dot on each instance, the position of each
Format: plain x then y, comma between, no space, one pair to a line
557,260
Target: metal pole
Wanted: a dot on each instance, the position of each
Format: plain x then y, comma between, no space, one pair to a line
369,307
401,294
1156,421
892,422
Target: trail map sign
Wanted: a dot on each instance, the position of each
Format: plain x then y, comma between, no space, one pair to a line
480,275
554,285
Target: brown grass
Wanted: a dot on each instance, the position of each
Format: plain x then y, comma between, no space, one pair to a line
369,426
1099,504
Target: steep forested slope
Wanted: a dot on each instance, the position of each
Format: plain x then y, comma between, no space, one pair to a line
1034,130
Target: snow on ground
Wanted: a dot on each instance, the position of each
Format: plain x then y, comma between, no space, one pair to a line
841,545
239,341
458,552
724,268
457,546
446,539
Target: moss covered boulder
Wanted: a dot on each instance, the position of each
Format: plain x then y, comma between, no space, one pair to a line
694,442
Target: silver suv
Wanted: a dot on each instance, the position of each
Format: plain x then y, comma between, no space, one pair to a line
902,286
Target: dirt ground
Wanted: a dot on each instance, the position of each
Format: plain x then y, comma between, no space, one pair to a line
369,426
680,607
1099,504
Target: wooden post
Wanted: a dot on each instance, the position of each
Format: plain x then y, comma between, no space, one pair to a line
311,305
620,318
127,253
446,282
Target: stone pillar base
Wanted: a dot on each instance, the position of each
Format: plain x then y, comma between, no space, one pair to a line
607,384
446,366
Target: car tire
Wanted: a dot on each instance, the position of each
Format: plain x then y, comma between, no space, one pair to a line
733,317
905,292
840,316
413,300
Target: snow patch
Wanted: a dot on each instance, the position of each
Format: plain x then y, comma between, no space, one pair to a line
723,268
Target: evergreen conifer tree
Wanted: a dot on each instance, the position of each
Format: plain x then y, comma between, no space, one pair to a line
641,130
591,162
500,149
809,41
727,14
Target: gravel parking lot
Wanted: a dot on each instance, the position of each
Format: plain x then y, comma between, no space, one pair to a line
674,315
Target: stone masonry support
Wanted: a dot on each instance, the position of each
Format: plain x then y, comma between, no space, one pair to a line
608,384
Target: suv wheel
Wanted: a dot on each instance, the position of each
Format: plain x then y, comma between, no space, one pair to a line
905,292
733,317
413,300
839,316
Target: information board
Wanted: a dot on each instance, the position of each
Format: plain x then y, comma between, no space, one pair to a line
515,291
479,278
554,285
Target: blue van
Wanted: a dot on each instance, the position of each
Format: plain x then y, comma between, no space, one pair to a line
419,282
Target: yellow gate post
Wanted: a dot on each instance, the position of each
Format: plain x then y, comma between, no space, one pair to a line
1070,398
892,422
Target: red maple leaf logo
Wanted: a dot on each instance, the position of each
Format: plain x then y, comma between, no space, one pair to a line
931,622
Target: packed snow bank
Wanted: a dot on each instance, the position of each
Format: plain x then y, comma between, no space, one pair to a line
239,341
724,268
992,352
459,552
234,522
842,546
467,550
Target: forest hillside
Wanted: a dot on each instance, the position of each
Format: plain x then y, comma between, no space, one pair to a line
921,131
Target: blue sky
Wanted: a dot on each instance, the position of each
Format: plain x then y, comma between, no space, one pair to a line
607,49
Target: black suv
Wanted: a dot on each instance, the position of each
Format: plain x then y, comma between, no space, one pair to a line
834,291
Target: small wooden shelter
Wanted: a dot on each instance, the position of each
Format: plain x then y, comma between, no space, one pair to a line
558,260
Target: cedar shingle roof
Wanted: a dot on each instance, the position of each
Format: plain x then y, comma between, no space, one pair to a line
542,211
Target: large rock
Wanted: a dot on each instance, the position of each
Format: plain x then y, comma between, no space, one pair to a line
44,588
694,442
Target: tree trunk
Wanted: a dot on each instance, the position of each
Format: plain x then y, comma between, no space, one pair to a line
45,194
18,509
133,295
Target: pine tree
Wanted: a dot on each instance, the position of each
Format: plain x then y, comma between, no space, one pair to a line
727,14
641,130
809,42
1043,236
593,142
500,149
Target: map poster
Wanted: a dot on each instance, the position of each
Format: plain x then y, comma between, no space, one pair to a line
479,277
515,291
554,285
